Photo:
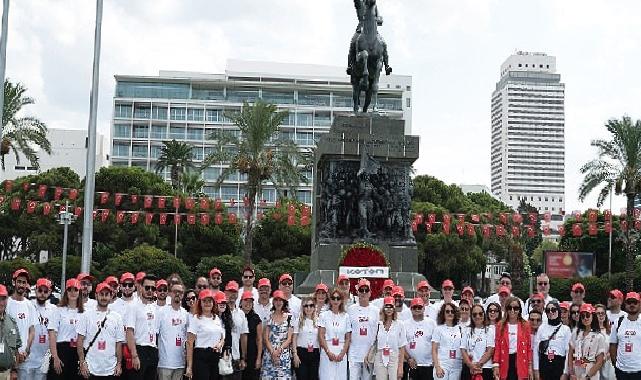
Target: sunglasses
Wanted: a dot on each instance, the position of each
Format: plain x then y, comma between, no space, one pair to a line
601,314
537,301
450,311
417,307
537,320
192,298
336,298
506,283
631,302
464,309
247,277
586,315
513,308
222,304
287,283
477,315
162,289
363,290
43,290
128,285
217,278
309,305
72,289
574,312
150,288
543,283
447,289
551,310
389,306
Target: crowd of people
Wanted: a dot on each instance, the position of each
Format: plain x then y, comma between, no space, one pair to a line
143,327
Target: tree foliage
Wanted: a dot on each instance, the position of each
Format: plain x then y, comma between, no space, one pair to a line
178,158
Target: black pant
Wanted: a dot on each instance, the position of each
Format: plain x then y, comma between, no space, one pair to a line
205,364
627,376
251,374
512,373
92,377
551,369
148,357
309,362
422,373
69,358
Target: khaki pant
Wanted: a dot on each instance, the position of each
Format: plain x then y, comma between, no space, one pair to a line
4,375
386,373
170,374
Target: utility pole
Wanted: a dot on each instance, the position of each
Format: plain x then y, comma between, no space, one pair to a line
65,218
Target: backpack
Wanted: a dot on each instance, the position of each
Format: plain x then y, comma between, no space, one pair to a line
10,337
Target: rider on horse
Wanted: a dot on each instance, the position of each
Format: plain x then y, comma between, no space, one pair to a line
359,5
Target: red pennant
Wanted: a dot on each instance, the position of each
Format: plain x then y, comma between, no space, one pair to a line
218,204
42,191
148,201
8,186
176,202
592,216
134,218
304,220
162,201
94,213
133,199
232,218
62,208
607,215
418,218
218,219
637,213
485,230
120,217
447,218
517,218
104,215
428,228
204,204
637,225
31,207
461,218
26,186
77,211
306,211
546,230
607,227
624,225
547,217
531,232
516,231
414,226
592,229
503,218
73,194
476,218
500,230
46,208
162,219
446,227
57,193
204,219
118,199
177,218
291,220
149,217
577,215
191,219
104,197
431,218
278,204
189,203
291,209
470,230
561,231
246,201
460,229
15,204
577,230
534,217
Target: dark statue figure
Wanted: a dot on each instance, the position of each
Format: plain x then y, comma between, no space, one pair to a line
367,55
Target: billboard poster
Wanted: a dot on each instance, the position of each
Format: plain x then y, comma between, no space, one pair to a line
569,264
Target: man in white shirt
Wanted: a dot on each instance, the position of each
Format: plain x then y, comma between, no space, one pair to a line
86,286
43,310
239,332
248,284
343,284
423,290
542,287
536,302
100,338
263,304
388,285
418,332
403,312
286,285
215,281
142,330
615,300
24,313
172,327
578,293
364,319
447,291
162,288
505,282
127,286
625,341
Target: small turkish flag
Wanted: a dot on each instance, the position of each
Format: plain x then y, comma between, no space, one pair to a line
118,199
104,197
306,211
607,227
163,219
176,218
460,229
120,216
546,230
503,218
530,231
278,203
592,229
418,218
133,199
547,217
31,207
77,211
232,218
486,231
149,217
204,219
561,231
57,193
607,215
176,202
431,218
218,204
73,194
470,230
428,228
148,201
517,218
8,186
592,216
476,218
218,219
414,226
534,217
637,225
461,218
189,203
291,220
447,218
46,208
577,230
94,213
516,231
204,204
291,210
42,191
134,218
104,215
577,215
446,228
191,219
162,201
15,204
304,220
26,186
500,230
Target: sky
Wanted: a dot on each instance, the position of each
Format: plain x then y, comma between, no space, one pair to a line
453,50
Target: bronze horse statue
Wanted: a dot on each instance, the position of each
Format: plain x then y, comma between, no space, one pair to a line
369,56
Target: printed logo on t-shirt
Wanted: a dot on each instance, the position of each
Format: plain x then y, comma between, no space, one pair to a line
102,345
418,334
630,332
150,316
22,316
176,321
363,318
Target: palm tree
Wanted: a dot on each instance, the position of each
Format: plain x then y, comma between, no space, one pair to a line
192,183
177,156
21,134
260,153
618,167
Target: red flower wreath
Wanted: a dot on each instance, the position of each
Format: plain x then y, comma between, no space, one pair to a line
365,255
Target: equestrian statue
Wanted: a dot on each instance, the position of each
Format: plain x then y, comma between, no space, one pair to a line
367,54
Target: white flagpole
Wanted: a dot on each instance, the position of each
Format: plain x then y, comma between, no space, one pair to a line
87,223
3,56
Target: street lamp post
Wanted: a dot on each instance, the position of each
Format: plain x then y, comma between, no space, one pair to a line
65,218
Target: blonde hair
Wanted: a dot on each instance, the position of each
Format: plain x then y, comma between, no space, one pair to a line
341,306
301,320
382,316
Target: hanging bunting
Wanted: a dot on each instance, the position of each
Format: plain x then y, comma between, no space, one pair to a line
104,197
162,201
624,225
503,218
162,219
149,217
531,231
476,218
204,219
447,219
104,215
262,203
414,226
577,231
461,218
94,213
77,211
534,217
218,204
561,231
607,227
191,219
203,204
419,218
176,202
134,218
546,230
133,199
148,201
189,203
177,218
26,186
607,215
57,193
218,219
31,207
291,210
246,200
304,220
118,199
446,227
592,229
500,230
428,227
46,208
547,217
517,218
637,225
42,191
460,229
8,186
431,218
232,218
73,194
485,230
15,203
470,230
593,216
120,217
516,232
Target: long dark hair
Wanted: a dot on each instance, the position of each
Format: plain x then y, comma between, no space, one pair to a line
606,322
520,319
571,321
485,319
441,314
184,302
64,301
499,314
594,326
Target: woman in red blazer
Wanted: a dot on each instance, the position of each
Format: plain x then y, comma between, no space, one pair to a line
513,345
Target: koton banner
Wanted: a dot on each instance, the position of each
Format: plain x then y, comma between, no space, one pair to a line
366,272
569,264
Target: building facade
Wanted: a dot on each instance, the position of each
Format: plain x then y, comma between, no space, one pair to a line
528,134
68,149
191,107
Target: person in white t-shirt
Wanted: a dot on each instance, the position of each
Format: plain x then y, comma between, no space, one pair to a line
239,331
418,333
478,344
343,284
86,286
172,335
505,291
263,304
142,330
464,313
446,344
248,284
363,318
205,339
388,285
62,333
390,343
43,310
615,301
215,281
286,285
127,287
423,290
543,288
625,341
334,337
588,346
24,313
100,337
321,298
402,310
551,363
305,348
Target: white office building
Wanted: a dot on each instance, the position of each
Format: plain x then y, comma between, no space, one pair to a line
190,107
68,149
527,141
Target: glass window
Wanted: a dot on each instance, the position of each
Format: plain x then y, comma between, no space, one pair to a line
342,100
229,192
158,132
209,150
122,130
269,195
121,149
159,112
304,119
210,191
242,95
214,115
152,90
391,104
123,110
177,133
141,131
211,174
155,151
139,150
287,135
304,196
308,174
197,153
139,164
304,138
278,97
313,98
322,119
408,102
208,94
290,119
119,163
195,114
142,111
194,134
178,113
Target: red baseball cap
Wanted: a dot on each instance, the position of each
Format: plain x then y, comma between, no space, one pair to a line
616,293
215,271
231,286
247,295
504,289
342,277
447,284
285,276
3,291
564,305
322,287
423,284
418,301
539,296
388,301
103,286
264,282
398,290
86,276
20,272
111,280
362,283
72,283
468,289
43,282
578,286
586,307
206,293
389,283
633,295
279,294
140,276
127,276
219,297
161,282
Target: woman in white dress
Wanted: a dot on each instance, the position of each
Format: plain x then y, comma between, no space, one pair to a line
334,336
446,344
390,343
587,346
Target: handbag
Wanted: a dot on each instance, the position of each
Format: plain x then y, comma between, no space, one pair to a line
371,354
544,344
225,366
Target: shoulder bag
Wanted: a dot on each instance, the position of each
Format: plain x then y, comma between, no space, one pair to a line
371,354
225,366
544,344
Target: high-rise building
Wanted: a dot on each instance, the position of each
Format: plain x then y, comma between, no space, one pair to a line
528,143
190,107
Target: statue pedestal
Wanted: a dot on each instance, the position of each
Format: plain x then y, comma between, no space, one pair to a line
362,193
